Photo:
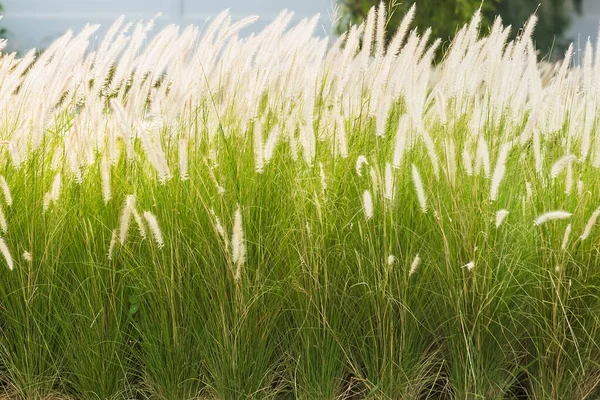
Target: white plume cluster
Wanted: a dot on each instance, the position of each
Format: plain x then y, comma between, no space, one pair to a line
289,94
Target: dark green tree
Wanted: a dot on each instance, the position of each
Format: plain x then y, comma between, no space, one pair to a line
554,18
446,16
443,16
2,30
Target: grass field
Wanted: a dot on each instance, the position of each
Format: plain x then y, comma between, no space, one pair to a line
284,216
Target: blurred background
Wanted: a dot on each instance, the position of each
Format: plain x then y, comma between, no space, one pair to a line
36,23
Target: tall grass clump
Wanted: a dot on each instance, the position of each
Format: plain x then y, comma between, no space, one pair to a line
195,215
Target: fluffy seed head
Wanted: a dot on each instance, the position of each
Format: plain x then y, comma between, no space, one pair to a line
389,182
258,147
105,172
419,188
140,223
368,205
590,224
154,228
500,217
183,158
551,216
360,161
111,246
271,144
529,191
237,237
6,253
6,191
561,164
565,240
496,180
126,217
482,159
400,146
238,252
56,187
414,265
3,223
323,179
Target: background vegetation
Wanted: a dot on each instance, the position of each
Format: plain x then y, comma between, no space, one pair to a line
446,17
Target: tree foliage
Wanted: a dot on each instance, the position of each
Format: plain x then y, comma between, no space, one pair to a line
446,16
555,16
2,30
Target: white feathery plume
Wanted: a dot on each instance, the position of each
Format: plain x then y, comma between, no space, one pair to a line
368,204
389,183
569,179
467,161
47,201
398,38
419,188
482,159
499,171
374,178
52,195
596,160
440,106
140,223
380,32
15,155
258,147
271,144
237,237
391,259
469,266
220,229
414,265
55,191
551,216
111,246
105,175
430,147
341,138
450,150
6,191
590,224
561,164
579,189
220,189
565,240
323,179
27,256
183,158
365,52
400,146
154,228
360,161
496,180
500,217
537,151
529,191
126,217
238,247
3,223
6,253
